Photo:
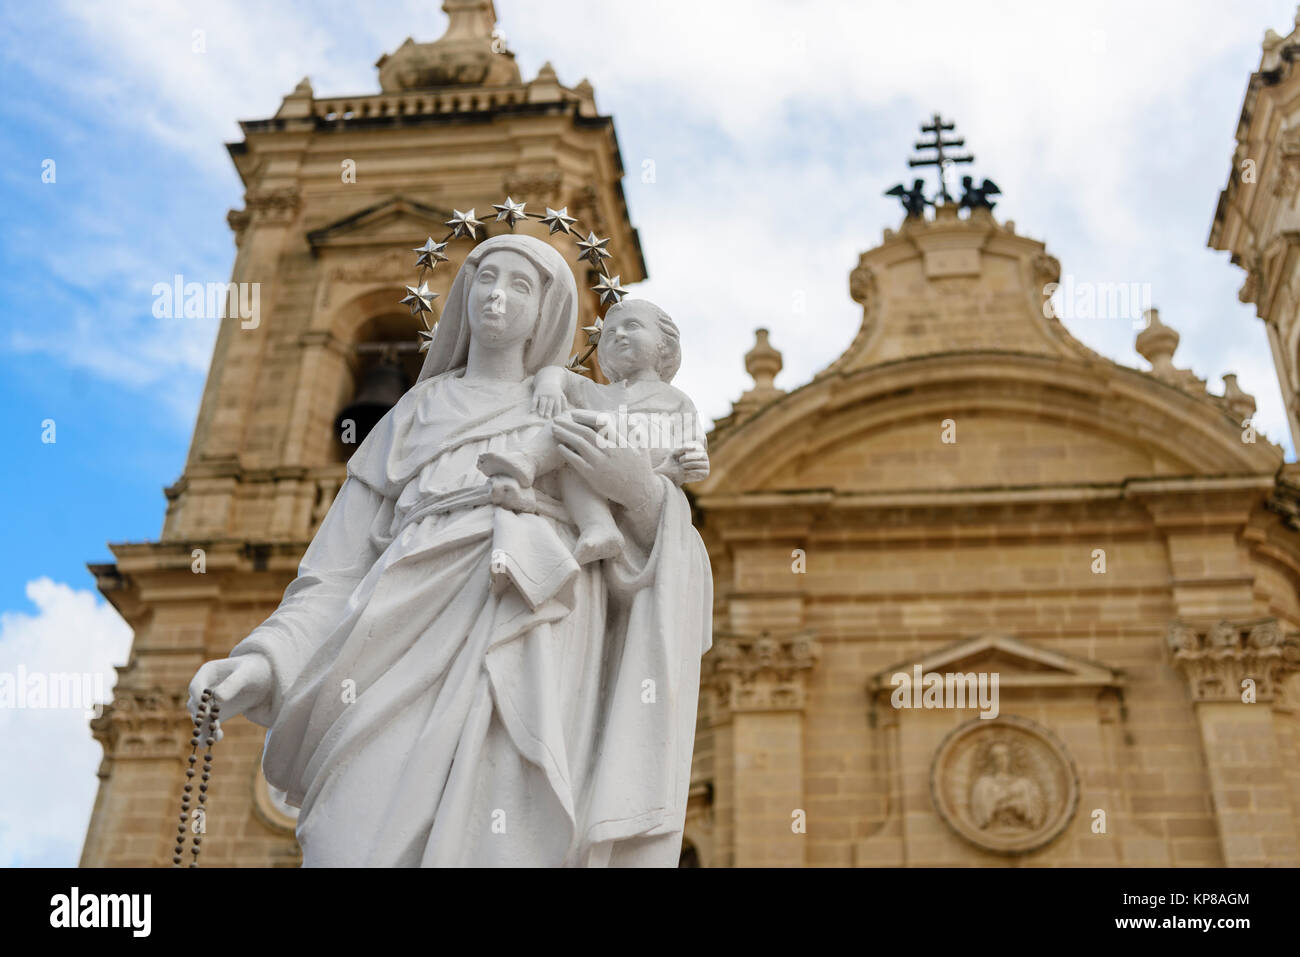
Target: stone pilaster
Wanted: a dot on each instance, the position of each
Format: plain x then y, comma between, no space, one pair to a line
758,688
1236,672
143,732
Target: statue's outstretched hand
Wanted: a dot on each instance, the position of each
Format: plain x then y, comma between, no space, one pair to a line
239,683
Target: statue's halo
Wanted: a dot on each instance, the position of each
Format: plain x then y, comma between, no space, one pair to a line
464,224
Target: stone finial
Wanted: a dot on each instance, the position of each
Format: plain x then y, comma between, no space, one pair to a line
545,87
1273,45
299,102
1270,56
587,97
468,54
469,19
762,362
1157,343
1240,404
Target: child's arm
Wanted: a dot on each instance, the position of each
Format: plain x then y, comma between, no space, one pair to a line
548,392
556,389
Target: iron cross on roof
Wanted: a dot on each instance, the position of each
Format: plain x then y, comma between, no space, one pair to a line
940,160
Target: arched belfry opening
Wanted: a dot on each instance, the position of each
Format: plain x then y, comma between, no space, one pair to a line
384,362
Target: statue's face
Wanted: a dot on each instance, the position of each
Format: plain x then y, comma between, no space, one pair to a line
504,299
629,341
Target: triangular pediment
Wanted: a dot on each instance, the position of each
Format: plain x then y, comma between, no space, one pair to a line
1018,664
396,221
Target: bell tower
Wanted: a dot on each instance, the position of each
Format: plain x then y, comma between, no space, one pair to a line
338,191
1257,219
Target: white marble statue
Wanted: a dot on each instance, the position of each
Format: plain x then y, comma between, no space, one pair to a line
451,680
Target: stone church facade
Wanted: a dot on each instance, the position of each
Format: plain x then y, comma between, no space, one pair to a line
966,491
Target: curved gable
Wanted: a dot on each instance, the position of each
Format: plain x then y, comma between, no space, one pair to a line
1017,420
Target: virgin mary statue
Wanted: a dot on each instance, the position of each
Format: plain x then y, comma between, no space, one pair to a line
443,685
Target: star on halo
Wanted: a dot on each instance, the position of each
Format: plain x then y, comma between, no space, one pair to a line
463,224
559,220
420,299
510,211
609,289
431,253
426,336
593,249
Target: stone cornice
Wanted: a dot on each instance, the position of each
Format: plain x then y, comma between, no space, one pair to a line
1217,659
1232,492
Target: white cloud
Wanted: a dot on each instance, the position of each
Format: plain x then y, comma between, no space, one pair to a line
48,755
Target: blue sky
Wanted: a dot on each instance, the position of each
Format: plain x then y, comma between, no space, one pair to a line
1109,129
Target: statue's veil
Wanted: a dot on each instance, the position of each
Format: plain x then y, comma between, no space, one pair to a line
558,320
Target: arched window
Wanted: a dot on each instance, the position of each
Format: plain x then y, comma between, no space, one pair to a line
385,363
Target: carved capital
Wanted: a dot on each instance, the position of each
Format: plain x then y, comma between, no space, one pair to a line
1216,661
143,723
278,206
758,672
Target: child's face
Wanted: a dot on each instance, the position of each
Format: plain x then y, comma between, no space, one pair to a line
629,342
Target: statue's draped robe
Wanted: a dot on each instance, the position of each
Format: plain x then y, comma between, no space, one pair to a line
422,715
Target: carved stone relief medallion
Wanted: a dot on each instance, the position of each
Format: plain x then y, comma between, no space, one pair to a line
1006,785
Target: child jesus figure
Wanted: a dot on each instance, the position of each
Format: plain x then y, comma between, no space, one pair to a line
639,352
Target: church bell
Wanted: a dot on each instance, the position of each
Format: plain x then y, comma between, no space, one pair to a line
380,389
